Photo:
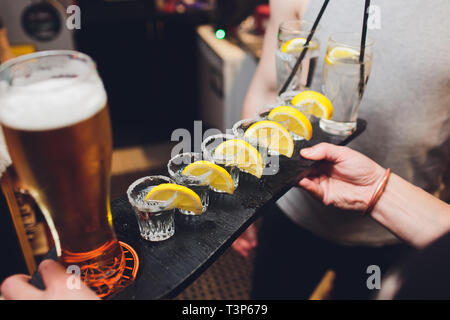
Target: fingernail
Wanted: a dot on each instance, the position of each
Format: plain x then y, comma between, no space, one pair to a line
305,151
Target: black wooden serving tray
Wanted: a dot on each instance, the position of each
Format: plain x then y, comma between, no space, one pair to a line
168,267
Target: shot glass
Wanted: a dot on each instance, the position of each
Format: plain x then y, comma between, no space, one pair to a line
155,220
286,97
209,146
175,167
264,113
270,158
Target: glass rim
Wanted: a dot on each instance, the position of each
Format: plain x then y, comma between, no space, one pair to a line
206,153
290,92
369,40
186,179
283,25
240,122
185,154
152,203
225,136
264,109
252,141
48,53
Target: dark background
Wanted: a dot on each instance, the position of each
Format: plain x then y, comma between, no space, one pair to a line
148,64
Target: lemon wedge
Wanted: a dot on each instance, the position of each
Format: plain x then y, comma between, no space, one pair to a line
271,135
338,53
184,198
295,45
293,120
242,155
215,176
314,103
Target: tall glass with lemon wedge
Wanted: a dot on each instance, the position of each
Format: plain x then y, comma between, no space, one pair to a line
291,40
344,80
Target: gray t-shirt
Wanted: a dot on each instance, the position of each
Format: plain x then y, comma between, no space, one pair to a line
406,105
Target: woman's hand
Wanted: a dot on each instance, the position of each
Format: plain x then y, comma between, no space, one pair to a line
347,179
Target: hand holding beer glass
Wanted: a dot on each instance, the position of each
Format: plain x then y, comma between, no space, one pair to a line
53,111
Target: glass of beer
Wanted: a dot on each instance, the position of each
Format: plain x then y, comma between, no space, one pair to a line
54,115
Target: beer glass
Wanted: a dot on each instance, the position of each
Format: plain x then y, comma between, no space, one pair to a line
53,111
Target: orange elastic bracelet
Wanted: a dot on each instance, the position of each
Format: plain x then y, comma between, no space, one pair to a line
378,192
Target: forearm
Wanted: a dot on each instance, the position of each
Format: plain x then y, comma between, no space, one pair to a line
263,87
411,213
258,95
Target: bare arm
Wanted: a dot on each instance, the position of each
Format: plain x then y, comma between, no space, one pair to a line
411,213
263,87
349,179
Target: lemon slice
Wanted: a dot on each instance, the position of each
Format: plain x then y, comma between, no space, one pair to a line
184,198
271,135
215,176
314,103
242,155
339,53
295,45
293,120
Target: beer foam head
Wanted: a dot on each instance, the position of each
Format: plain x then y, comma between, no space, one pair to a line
51,103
